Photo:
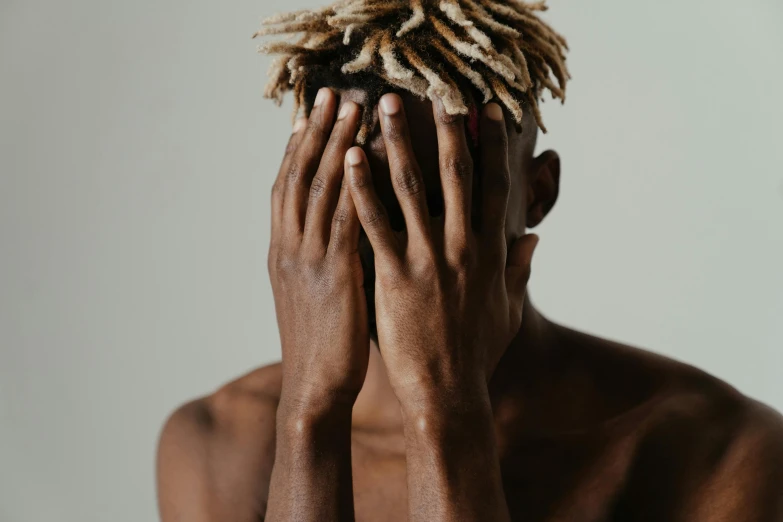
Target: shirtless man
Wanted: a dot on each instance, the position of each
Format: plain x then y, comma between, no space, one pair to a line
418,381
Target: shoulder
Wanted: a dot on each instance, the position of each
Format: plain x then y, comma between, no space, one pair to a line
705,452
215,453
244,407
761,437
745,480
615,371
721,450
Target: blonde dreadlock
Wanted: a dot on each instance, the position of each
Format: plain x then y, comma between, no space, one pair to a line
431,48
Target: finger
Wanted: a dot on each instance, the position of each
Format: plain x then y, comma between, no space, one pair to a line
372,214
325,187
345,225
518,263
456,175
496,177
405,172
279,185
305,163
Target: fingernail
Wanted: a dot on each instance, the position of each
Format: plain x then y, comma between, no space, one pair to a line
494,112
390,104
300,124
321,97
345,110
354,157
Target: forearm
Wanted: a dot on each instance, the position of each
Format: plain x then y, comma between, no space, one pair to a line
453,466
321,309
311,478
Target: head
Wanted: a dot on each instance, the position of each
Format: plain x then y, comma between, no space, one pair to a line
464,53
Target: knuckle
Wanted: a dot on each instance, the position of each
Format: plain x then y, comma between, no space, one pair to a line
396,131
314,278
462,257
340,218
389,279
424,265
424,272
295,173
457,167
317,130
339,224
374,217
408,180
318,187
286,265
310,267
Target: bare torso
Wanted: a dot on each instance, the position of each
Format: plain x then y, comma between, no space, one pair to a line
588,430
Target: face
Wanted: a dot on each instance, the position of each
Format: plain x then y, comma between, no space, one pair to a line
534,180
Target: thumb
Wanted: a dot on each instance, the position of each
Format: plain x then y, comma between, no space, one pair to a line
518,262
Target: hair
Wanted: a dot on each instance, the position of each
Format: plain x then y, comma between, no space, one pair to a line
454,50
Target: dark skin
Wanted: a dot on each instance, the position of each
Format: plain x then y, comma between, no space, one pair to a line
471,405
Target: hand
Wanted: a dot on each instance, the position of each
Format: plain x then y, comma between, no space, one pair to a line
448,297
314,264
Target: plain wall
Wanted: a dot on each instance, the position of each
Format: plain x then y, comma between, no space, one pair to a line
136,158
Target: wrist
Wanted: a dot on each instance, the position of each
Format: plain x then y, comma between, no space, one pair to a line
311,415
302,396
467,414
443,395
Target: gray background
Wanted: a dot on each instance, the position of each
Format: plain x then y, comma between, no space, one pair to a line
136,156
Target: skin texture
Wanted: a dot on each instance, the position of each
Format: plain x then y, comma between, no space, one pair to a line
471,405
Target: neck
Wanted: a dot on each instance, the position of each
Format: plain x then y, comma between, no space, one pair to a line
377,405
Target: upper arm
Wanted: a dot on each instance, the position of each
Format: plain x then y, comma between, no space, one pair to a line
215,458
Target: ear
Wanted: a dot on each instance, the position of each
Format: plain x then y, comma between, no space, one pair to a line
543,187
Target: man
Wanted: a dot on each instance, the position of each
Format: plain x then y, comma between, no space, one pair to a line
418,381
